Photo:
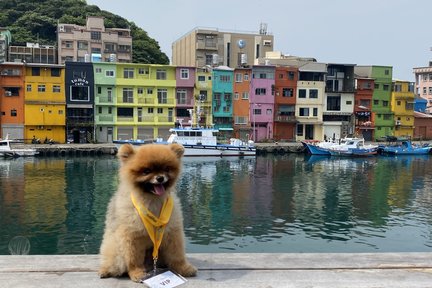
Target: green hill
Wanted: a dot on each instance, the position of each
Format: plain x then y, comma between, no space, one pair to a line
36,21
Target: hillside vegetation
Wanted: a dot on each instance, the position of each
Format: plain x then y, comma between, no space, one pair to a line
36,21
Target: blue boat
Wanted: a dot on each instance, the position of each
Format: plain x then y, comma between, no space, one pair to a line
404,147
345,147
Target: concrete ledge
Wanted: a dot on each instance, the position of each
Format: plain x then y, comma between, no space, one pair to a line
236,270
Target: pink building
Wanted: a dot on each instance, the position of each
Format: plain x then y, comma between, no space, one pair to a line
262,101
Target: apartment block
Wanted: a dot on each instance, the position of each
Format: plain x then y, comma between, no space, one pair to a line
45,102
402,103
423,85
241,107
93,42
12,77
364,120
381,99
222,90
145,101
204,97
213,47
186,112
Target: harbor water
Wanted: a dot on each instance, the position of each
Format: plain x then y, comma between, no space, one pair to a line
274,203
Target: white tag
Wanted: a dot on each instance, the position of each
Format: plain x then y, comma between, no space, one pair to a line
167,279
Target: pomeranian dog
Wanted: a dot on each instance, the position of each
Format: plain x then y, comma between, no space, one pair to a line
147,175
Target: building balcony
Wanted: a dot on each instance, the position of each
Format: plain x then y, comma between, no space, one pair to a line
203,46
146,100
105,118
285,118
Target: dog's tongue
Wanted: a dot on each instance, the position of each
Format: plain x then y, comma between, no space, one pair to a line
159,189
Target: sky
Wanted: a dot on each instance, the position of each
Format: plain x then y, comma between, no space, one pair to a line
362,32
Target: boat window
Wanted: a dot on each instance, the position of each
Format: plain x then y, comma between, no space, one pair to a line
180,133
3,143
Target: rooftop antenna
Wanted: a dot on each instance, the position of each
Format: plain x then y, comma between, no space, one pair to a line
263,29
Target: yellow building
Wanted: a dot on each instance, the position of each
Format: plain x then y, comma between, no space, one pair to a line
403,108
145,101
203,99
44,102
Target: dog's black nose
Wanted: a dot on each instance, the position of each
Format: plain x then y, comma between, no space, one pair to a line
160,179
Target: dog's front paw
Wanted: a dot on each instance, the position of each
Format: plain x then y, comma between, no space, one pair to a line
187,270
137,274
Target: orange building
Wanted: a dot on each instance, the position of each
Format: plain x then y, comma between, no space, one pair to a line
242,125
12,100
285,100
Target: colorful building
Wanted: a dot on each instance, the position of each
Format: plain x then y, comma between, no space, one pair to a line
423,84
310,101
80,99
12,117
285,100
241,108
45,103
145,102
363,117
262,100
185,112
338,120
402,103
105,96
222,90
203,97
381,99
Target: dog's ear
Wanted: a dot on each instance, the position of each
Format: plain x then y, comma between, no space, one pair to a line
178,149
125,152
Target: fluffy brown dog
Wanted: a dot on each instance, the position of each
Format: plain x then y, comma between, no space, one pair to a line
149,173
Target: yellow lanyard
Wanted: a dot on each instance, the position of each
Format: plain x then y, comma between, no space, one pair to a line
154,225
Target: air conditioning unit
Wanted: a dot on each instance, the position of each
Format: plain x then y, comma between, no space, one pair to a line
8,93
397,122
61,28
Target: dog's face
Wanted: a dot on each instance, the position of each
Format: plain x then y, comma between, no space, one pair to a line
151,168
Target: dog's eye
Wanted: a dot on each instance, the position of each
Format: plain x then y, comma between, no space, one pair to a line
167,169
146,171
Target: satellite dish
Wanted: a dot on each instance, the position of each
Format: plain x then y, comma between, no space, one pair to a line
241,43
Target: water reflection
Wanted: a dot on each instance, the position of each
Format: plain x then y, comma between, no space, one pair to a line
290,203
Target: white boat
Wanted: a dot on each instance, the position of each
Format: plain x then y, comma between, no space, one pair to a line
345,147
201,142
6,150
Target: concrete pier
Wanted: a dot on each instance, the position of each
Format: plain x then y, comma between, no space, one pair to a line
299,270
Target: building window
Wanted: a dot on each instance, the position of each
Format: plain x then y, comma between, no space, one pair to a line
290,75
35,71
377,86
29,88
149,91
245,95
82,45
41,88
184,73
315,112
162,96
160,110
287,92
161,74
95,35
109,73
260,91
150,110
304,111
55,72
257,111
96,50
313,93
100,110
430,90
140,90
333,103
302,93
109,94
299,130
236,96
56,89
128,95
143,71
238,77
80,93
386,87
225,78
98,70
13,113
128,73
246,77
376,102
385,103
181,96
386,72
99,89
201,78
269,111
398,103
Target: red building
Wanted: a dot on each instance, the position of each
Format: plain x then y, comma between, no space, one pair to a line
364,118
285,100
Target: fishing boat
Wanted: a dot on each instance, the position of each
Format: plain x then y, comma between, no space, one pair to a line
345,147
201,142
401,146
6,149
